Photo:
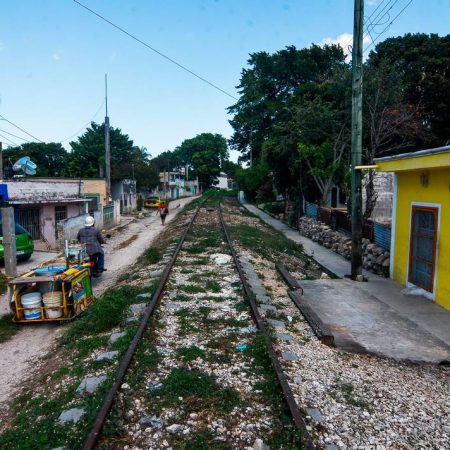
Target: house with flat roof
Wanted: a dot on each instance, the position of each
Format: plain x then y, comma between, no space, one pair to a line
420,241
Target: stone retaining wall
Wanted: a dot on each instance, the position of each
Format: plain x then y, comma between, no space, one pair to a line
375,258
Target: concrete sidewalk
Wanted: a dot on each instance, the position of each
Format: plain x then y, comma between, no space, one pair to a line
373,315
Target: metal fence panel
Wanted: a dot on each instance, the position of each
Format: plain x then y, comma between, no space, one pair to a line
108,214
382,235
311,210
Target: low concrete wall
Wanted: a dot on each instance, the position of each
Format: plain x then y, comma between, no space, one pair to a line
374,258
68,229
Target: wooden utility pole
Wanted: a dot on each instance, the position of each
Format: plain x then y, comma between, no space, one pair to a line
107,147
9,241
357,76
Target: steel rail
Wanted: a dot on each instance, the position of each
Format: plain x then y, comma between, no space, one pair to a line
288,395
102,414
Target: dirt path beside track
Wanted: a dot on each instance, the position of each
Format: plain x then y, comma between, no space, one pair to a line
22,352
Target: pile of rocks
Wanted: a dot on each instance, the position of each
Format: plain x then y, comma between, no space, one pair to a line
375,258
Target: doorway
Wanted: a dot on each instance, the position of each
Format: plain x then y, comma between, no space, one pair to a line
422,257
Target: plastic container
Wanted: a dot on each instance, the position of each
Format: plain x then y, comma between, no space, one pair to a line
53,300
31,300
49,270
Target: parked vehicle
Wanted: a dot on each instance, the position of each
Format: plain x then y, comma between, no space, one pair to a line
152,202
24,243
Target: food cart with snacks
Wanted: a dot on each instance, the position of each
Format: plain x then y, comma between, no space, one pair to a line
57,290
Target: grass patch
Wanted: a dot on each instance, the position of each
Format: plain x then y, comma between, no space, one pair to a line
151,256
124,277
199,261
284,435
187,354
347,393
88,345
103,314
213,286
185,322
192,288
7,327
3,283
199,391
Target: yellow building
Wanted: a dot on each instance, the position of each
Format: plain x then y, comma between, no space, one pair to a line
420,241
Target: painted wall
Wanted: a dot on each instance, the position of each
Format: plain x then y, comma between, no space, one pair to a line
409,190
96,186
43,191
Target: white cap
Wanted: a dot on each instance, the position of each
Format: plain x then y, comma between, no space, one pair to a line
89,221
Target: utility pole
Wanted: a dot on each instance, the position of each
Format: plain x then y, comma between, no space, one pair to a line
107,147
9,241
357,76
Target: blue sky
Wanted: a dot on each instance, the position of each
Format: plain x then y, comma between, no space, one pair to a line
54,55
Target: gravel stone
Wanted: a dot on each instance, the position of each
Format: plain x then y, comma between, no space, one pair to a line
71,415
107,356
90,384
289,356
116,336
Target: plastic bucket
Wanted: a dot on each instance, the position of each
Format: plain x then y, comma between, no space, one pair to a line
31,300
52,300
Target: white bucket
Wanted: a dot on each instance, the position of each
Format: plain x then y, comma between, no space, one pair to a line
52,300
31,300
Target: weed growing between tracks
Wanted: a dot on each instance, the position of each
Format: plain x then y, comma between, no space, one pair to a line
205,384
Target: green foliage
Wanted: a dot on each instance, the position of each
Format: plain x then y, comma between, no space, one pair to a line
286,98
7,327
103,314
88,157
202,390
422,63
152,255
190,353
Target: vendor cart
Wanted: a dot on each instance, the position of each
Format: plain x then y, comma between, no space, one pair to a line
57,290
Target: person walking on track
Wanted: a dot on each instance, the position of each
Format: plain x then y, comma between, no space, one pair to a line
93,239
163,211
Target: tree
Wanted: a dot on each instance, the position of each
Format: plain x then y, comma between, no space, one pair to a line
289,98
268,86
422,62
88,153
51,158
205,155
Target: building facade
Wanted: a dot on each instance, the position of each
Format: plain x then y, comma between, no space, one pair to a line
420,242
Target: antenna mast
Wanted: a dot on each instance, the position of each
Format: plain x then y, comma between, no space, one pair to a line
107,146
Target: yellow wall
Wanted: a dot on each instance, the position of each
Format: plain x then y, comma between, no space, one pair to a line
96,186
409,189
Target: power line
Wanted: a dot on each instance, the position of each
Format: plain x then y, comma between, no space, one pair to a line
14,135
4,137
21,129
156,51
384,12
376,9
388,25
84,126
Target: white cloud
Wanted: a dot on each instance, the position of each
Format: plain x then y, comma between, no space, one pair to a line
345,40
56,56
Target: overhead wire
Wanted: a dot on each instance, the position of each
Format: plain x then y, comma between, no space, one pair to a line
21,129
86,125
168,58
14,135
389,25
13,143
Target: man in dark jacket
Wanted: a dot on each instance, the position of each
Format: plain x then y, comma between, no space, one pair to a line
93,240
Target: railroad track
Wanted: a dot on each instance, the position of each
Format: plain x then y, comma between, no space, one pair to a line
198,372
